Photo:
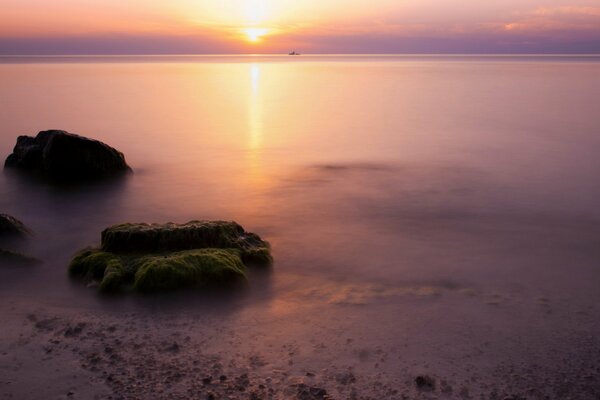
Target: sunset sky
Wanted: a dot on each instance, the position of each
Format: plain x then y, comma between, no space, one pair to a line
309,26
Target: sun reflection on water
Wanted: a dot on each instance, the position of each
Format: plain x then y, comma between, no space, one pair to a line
255,109
255,179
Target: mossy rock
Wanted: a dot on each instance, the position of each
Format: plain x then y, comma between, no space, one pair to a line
165,257
159,272
259,255
154,238
91,264
190,268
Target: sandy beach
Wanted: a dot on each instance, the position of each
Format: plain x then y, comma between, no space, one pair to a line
177,351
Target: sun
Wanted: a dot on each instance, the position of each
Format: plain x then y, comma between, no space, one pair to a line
254,35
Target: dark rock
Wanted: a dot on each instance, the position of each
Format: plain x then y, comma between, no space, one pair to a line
65,156
318,392
425,382
12,230
8,257
345,378
47,324
73,331
242,381
305,392
12,227
255,396
173,348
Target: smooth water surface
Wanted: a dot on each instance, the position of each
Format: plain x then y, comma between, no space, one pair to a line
452,198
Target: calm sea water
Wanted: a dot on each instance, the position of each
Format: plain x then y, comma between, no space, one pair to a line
377,179
440,212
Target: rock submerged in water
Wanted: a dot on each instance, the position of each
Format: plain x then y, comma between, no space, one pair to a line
12,230
12,227
163,257
159,272
13,258
65,156
170,237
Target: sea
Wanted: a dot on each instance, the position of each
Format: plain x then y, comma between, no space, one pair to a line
442,210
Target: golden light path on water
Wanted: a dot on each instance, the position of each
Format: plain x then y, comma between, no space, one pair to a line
255,109
256,180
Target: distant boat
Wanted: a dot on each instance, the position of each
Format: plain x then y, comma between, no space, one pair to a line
293,53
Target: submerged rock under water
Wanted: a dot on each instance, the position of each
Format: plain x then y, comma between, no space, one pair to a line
162,257
13,231
8,257
12,227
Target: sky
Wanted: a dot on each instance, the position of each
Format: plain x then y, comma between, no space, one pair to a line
307,26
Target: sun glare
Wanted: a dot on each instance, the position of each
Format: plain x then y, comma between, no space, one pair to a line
255,10
255,34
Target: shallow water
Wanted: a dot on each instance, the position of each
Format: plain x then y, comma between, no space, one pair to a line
433,201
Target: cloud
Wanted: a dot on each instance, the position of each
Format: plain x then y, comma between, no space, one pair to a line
563,29
117,44
568,10
547,20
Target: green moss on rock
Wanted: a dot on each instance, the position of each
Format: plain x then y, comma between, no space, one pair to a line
114,277
259,255
154,258
192,268
155,238
159,272
90,264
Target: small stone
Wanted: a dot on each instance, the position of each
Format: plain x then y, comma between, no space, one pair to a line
425,382
72,331
318,392
345,378
174,348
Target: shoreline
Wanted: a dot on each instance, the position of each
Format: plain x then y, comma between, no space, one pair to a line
174,354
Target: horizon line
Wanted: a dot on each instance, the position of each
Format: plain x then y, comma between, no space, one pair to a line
285,54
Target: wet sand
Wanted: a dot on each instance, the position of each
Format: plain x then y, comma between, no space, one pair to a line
232,352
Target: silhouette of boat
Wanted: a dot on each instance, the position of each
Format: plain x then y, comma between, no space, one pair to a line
293,53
